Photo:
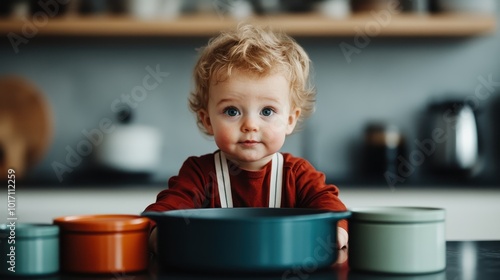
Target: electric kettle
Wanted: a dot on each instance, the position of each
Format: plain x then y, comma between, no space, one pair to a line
452,142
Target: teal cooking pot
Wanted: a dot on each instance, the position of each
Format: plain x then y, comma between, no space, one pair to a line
29,249
247,239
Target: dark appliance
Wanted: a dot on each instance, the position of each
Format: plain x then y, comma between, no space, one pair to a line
451,142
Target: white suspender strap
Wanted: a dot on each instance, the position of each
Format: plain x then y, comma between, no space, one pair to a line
276,181
224,184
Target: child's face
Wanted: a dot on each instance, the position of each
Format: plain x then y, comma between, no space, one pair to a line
249,117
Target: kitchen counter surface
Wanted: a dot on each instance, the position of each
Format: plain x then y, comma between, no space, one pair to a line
467,260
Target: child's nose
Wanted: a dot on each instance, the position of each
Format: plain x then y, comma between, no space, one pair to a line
249,124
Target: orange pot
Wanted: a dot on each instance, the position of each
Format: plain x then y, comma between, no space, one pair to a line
103,243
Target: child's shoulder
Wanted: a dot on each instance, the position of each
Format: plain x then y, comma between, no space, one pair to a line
293,162
201,159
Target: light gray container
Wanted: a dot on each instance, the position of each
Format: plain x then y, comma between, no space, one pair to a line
36,249
403,240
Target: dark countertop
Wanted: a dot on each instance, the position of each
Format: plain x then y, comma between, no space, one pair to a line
467,260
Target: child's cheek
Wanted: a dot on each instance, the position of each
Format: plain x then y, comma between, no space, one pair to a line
223,137
275,137
279,123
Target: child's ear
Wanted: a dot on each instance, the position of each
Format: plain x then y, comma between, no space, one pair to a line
292,120
205,120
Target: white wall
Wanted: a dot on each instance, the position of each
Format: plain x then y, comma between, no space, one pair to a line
472,214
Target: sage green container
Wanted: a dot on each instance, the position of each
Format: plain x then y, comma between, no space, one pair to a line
402,240
36,249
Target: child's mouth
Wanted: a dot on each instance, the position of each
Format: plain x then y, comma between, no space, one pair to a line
249,143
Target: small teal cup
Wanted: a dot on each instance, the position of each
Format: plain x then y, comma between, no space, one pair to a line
29,249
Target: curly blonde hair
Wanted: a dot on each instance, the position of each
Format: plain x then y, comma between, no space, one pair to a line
256,51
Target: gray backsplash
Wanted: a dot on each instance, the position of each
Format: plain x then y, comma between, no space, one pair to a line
391,79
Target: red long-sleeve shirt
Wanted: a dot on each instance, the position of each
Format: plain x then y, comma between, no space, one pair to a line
196,187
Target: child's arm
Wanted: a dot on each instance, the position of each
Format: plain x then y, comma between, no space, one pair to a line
184,191
314,192
153,241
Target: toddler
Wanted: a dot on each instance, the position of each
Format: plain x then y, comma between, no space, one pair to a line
251,90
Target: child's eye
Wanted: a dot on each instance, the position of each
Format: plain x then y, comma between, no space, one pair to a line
267,112
231,111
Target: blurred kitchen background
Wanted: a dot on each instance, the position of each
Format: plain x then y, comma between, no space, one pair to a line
380,98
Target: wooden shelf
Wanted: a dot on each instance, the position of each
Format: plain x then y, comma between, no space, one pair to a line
401,25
